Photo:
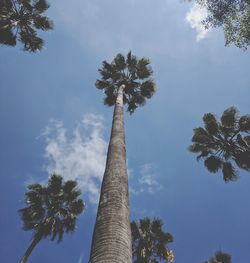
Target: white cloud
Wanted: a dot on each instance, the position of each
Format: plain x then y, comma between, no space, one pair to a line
194,17
146,181
80,155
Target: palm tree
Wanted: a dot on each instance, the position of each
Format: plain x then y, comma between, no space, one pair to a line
19,20
149,242
221,143
124,80
51,211
220,257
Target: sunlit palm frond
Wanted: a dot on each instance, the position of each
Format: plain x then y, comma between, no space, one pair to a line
149,241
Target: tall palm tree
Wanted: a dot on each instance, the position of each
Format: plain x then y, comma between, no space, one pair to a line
222,143
220,257
149,242
51,210
125,80
20,19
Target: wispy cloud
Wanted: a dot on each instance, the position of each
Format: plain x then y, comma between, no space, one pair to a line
79,155
194,17
146,181
119,26
80,260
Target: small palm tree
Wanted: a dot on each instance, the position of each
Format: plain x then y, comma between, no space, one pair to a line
51,211
19,20
149,242
126,80
222,143
220,257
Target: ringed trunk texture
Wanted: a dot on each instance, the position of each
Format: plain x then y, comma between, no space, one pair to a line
35,241
111,241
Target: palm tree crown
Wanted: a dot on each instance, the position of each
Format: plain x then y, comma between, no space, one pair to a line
19,20
134,73
52,210
220,257
149,242
222,142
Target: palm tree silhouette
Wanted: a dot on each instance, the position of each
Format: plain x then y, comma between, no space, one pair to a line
19,20
224,143
125,80
149,242
51,211
220,257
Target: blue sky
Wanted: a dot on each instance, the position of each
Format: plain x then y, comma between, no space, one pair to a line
53,119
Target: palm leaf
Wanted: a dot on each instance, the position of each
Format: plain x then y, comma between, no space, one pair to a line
229,172
213,163
41,6
244,123
229,117
211,124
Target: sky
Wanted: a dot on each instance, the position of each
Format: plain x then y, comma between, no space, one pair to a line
53,120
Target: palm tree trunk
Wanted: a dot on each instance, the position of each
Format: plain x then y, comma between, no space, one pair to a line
30,249
111,241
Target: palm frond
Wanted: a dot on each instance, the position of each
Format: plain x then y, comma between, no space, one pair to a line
222,257
229,117
41,6
30,40
119,62
213,163
244,123
43,23
7,37
211,124
229,172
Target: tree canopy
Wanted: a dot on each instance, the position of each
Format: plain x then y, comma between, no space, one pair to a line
51,211
233,16
223,142
19,21
149,242
132,72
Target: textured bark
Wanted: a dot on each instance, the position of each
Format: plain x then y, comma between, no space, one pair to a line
111,241
30,249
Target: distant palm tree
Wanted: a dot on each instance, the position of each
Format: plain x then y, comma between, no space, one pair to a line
19,20
51,211
149,242
125,80
221,143
220,257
